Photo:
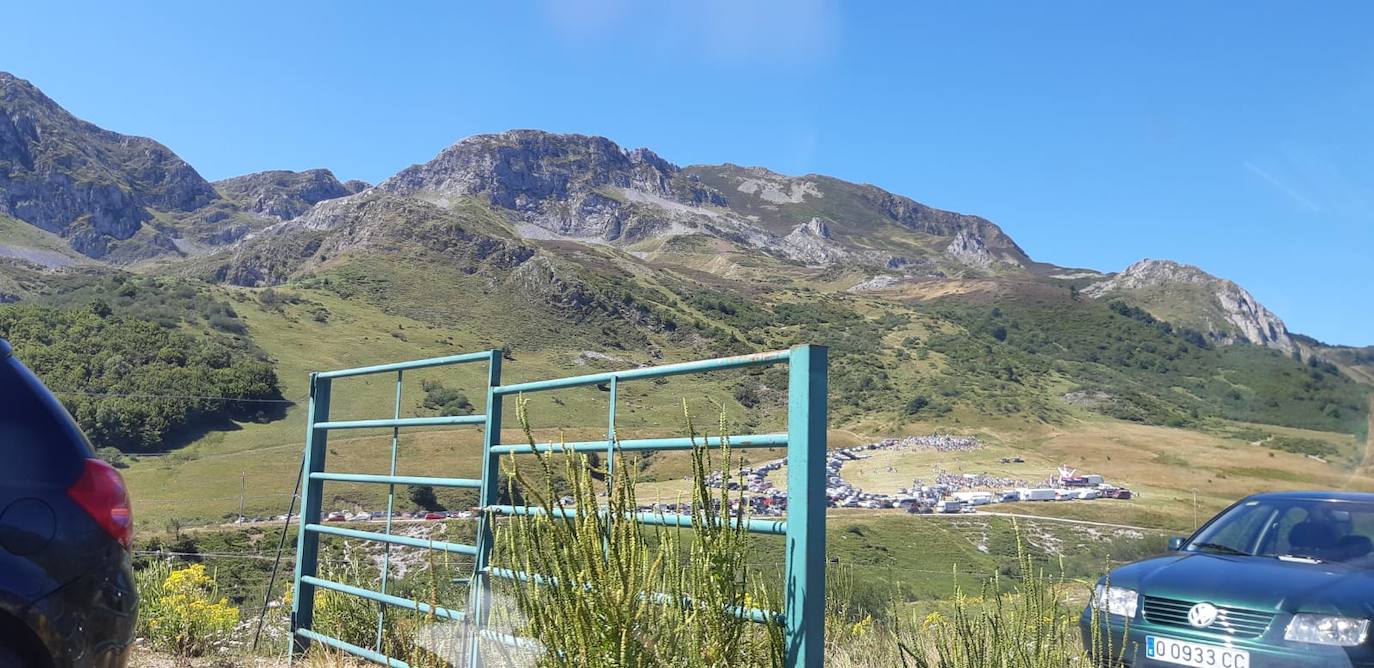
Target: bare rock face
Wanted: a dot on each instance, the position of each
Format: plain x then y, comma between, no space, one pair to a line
371,220
811,243
83,183
589,189
969,248
283,194
1187,295
567,185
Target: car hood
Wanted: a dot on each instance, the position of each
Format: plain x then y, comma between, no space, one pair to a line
1255,583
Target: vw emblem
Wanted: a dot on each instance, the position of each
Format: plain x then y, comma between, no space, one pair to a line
1202,615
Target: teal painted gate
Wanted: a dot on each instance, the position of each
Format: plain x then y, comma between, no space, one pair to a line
803,528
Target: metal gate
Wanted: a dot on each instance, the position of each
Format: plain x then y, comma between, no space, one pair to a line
803,528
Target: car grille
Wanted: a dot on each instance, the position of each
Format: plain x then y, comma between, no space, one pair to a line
1232,621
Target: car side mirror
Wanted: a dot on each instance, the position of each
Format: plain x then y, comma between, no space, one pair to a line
1176,543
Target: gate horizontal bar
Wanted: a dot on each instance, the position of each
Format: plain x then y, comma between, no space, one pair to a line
457,548
388,599
746,442
403,422
755,359
520,576
512,641
352,649
397,479
775,527
756,615
403,366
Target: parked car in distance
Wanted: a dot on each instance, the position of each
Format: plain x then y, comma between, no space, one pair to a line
67,594
435,516
335,516
1278,579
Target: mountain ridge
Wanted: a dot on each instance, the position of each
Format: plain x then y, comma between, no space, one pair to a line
136,199
585,188
1224,309
87,184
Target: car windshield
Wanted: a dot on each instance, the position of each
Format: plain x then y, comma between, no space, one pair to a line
1311,530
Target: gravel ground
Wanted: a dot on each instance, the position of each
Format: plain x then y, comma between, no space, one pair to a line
146,658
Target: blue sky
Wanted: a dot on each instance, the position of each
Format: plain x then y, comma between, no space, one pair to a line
1236,136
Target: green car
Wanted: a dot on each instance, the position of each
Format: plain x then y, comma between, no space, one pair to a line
1277,580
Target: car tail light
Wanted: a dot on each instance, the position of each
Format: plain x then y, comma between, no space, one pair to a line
101,493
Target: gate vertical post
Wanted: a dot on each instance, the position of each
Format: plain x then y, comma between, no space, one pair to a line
804,593
308,543
479,607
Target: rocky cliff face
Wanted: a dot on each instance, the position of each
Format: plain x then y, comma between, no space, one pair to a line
590,189
969,248
283,194
1186,295
566,185
89,185
372,220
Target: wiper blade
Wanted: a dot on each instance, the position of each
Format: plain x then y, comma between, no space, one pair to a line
1226,549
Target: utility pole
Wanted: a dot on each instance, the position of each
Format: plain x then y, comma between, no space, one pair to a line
243,476
1195,509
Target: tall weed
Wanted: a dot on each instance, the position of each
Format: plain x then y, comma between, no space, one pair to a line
605,590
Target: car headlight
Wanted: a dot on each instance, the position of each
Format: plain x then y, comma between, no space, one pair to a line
1327,629
1115,600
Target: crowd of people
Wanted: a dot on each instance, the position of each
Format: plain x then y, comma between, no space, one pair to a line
937,442
766,499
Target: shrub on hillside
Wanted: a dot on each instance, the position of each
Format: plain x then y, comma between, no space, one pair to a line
131,383
444,400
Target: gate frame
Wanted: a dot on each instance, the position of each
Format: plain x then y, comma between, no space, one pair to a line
803,614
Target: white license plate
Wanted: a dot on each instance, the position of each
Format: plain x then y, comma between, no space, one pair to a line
1184,653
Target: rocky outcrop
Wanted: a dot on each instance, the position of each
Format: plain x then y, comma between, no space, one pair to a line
373,220
776,188
1186,295
811,243
921,218
571,186
86,184
283,194
590,189
969,248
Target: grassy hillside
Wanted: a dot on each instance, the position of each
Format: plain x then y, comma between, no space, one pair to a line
310,328
114,374
1126,364
1033,368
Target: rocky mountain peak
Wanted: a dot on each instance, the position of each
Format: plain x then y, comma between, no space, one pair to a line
969,248
559,185
88,185
1150,272
1186,295
516,168
283,194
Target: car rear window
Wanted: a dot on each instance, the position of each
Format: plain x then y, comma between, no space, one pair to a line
40,444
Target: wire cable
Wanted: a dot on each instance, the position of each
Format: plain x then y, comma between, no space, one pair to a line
281,544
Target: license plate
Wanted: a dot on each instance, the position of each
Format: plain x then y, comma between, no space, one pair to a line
1184,653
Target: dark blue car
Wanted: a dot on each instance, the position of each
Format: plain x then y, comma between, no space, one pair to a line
66,586
1280,580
